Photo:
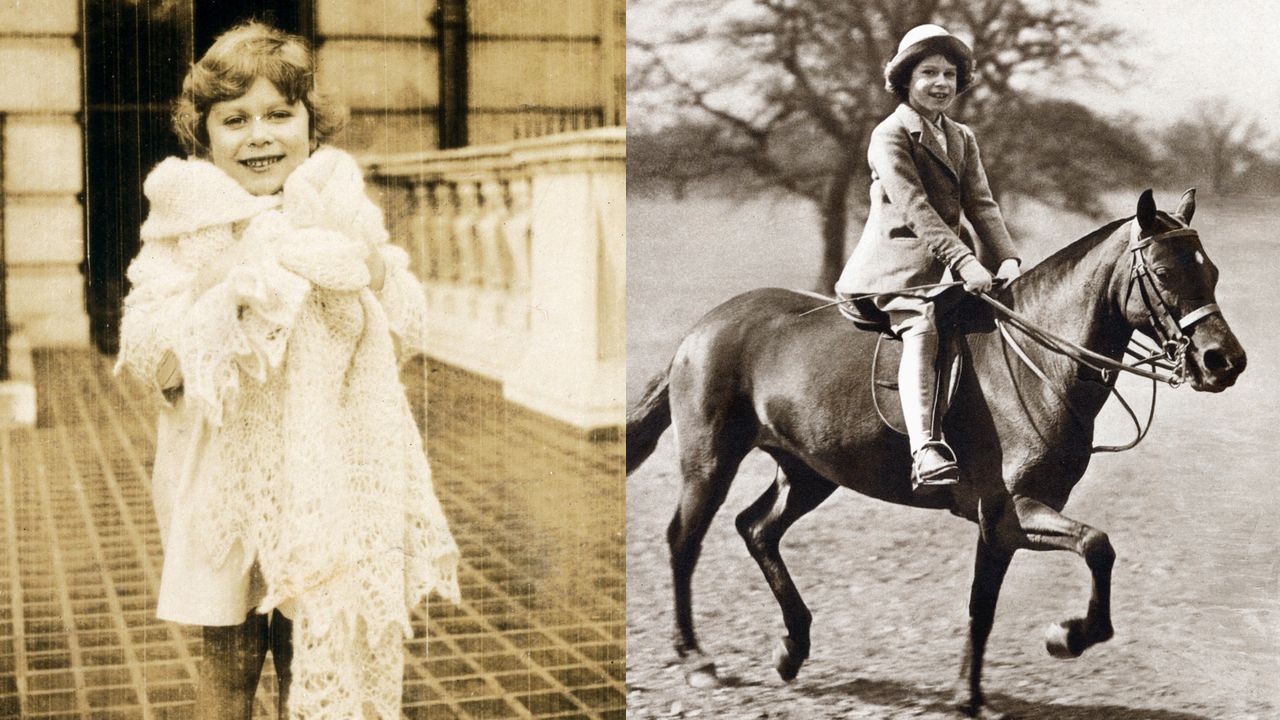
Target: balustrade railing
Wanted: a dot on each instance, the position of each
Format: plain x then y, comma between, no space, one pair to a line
521,250
539,122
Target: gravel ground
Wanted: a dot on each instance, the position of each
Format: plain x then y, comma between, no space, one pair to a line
1190,513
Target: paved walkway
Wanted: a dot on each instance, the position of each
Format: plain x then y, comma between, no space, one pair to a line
537,509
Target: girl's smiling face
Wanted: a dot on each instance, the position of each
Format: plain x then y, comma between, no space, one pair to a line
259,138
933,86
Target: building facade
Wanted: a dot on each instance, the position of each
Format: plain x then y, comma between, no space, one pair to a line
86,87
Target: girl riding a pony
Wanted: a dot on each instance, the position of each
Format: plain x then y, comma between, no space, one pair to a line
926,172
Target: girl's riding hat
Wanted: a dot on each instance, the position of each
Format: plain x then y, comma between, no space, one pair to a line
920,42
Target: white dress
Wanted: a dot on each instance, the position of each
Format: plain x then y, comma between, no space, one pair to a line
192,589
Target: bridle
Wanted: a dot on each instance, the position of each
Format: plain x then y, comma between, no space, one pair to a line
1169,332
1167,363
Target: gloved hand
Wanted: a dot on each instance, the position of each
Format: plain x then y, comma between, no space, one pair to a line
1009,269
977,279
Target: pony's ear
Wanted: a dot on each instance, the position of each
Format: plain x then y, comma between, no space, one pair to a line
1187,207
1146,211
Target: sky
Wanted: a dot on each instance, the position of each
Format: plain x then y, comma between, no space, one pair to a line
1187,51
1183,52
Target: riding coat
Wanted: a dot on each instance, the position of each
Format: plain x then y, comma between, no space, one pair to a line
289,473
918,192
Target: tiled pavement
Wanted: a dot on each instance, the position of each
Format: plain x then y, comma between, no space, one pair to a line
537,509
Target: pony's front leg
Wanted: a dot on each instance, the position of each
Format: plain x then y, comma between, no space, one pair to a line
989,566
1044,528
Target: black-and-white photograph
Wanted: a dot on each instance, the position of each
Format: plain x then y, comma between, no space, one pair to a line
312,359
1004,269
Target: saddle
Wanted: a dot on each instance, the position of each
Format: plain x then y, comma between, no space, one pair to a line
953,325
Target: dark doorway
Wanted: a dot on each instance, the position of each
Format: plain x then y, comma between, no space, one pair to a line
212,17
136,55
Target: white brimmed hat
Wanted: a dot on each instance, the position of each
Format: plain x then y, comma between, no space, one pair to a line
921,41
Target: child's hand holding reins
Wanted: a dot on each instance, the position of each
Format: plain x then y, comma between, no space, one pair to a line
977,279
1009,270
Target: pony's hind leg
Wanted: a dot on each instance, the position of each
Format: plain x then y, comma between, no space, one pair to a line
797,491
708,469
1043,528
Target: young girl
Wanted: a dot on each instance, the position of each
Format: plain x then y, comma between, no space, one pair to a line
294,499
925,172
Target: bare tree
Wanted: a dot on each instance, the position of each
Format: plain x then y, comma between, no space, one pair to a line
676,157
1215,144
796,86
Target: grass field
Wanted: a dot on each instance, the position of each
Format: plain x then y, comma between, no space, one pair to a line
1192,512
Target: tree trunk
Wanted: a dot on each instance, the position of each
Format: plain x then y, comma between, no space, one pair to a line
1217,176
834,210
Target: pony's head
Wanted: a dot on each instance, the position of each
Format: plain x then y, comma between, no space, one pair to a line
1170,294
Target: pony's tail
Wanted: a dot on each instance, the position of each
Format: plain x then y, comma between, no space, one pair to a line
647,420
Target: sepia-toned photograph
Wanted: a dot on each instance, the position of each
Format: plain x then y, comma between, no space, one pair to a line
312,359
1004,269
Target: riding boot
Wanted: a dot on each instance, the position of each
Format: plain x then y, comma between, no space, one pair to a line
933,462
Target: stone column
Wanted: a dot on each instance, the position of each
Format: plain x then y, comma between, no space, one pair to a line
570,368
43,223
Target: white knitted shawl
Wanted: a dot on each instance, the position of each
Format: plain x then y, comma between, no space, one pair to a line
316,461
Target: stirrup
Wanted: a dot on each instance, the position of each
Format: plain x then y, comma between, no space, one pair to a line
946,474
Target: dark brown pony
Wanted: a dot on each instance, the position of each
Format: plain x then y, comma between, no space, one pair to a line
762,371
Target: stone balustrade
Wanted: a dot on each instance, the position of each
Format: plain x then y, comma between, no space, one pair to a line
521,248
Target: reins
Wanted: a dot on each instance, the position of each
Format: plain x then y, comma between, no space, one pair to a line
912,290
1082,356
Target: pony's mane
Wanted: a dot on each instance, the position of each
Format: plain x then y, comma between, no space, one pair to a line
1075,249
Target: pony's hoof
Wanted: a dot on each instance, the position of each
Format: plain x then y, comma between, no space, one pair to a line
964,701
701,673
787,659
969,707
1065,640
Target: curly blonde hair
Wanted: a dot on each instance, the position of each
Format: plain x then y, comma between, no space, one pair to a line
237,58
